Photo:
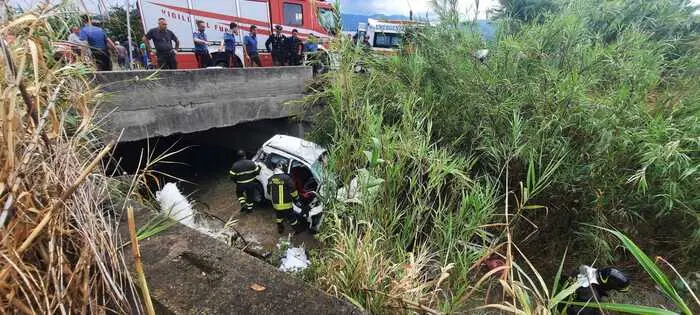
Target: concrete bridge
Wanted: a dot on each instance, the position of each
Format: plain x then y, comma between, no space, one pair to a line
152,103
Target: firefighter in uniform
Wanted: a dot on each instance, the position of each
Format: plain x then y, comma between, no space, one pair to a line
283,194
243,172
275,45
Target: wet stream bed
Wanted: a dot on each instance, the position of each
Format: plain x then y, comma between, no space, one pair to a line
200,172
215,195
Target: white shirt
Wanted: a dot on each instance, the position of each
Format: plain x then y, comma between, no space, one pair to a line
75,39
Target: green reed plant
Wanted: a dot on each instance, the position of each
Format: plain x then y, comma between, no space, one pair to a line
599,128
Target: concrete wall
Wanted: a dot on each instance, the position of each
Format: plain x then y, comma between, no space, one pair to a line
185,101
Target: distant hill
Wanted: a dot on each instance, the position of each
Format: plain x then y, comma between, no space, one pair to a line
350,21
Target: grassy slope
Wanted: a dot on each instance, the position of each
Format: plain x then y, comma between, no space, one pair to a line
595,113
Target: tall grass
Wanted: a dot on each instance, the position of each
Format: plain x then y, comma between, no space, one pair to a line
59,243
569,120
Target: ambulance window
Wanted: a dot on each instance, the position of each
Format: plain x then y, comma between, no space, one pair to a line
387,40
293,14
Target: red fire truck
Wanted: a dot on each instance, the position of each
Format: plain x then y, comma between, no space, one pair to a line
307,16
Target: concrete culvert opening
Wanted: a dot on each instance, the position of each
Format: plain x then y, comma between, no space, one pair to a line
200,171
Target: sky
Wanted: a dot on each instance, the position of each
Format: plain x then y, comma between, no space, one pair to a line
365,7
420,7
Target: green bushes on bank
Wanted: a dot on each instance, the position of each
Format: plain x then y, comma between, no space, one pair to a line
594,107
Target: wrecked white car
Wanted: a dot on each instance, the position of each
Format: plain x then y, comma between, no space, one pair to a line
305,161
305,167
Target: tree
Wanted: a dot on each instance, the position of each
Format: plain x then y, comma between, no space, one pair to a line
116,24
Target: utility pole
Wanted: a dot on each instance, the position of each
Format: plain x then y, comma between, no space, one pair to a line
128,35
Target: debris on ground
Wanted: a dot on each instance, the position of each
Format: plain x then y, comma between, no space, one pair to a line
256,287
294,260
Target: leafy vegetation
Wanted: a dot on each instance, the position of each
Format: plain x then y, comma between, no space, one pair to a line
586,112
116,24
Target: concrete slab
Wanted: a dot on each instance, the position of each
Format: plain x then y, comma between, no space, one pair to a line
149,103
191,273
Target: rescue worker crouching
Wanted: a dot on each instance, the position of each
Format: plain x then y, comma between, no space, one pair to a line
243,172
283,195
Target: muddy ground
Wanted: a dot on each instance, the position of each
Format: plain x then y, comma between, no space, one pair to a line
215,195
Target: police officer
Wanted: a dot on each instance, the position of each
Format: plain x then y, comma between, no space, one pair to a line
243,172
275,45
283,194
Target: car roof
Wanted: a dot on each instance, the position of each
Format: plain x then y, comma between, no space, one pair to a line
306,151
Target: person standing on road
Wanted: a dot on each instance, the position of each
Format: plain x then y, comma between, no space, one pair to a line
283,193
251,46
243,172
143,54
99,44
122,54
275,45
228,45
294,47
312,56
365,44
163,39
201,45
74,38
311,43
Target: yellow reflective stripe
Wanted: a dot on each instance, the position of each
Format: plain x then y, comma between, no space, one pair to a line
280,194
248,172
257,168
245,181
282,206
294,194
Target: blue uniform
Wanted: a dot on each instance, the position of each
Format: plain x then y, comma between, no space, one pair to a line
310,47
229,41
200,48
251,44
95,36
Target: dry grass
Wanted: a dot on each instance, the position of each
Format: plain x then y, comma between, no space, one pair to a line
59,244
